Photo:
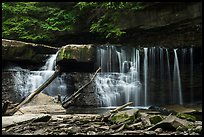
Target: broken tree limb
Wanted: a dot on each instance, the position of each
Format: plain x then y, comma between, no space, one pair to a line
37,91
121,107
110,113
76,94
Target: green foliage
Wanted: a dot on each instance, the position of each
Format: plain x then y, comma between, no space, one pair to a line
106,15
38,21
33,21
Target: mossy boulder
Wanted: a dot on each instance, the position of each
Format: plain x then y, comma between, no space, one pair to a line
127,115
79,53
155,119
186,116
76,58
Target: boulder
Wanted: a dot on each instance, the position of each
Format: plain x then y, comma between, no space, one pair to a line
78,58
171,123
155,119
125,115
80,53
186,116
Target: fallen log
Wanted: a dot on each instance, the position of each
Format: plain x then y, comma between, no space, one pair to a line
76,94
121,107
111,113
37,91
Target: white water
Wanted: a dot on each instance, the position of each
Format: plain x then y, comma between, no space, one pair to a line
120,82
128,74
145,75
142,76
177,80
169,74
28,81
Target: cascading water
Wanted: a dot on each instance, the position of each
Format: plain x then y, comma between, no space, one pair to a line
177,80
145,76
34,79
120,82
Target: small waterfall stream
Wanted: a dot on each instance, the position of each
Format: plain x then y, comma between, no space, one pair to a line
177,80
28,81
145,75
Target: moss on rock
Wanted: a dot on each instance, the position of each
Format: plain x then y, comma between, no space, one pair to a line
186,116
155,119
81,53
123,116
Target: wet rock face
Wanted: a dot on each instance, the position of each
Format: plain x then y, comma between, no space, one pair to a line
8,88
25,53
88,96
76,58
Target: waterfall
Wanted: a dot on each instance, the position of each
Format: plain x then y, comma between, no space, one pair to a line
121,84
169,73
145,76
28,82
177,80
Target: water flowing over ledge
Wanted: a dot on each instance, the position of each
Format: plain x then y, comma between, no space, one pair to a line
144,75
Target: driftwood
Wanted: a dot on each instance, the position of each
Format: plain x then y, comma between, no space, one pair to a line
76,94
37,91
121,107
110,113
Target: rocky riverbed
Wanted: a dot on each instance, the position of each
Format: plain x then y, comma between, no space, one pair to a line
44,116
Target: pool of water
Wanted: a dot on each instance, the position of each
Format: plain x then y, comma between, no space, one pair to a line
97,110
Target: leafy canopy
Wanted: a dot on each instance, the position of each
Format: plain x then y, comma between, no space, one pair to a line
41,21
34,20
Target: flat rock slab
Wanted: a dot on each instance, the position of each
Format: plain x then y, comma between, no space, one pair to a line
184,108
17,119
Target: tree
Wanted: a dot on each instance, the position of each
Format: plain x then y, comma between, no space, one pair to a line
42,21
105,14
34,20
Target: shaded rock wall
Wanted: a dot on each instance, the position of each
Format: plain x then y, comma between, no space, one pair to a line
174,24
25,53
9,91
168,24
